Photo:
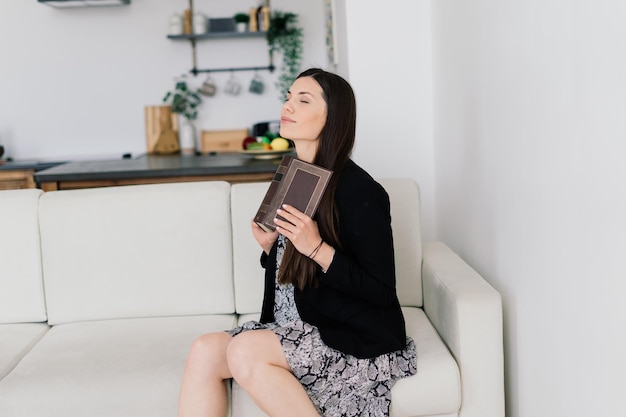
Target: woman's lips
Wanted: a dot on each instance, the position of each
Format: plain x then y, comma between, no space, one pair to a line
286,120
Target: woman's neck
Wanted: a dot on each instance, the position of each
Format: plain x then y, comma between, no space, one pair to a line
306,150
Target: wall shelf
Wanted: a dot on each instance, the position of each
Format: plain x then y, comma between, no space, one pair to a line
218,35
223,26
196,71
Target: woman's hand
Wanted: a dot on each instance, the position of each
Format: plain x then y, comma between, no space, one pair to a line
299,228
265,239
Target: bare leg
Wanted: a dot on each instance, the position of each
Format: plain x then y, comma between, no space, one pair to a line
257,362
203,392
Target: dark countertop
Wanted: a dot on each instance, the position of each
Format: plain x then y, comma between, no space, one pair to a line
155,166
21,165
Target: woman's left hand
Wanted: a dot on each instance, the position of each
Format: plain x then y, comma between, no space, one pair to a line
300,229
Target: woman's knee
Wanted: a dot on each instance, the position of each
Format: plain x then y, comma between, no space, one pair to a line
208,352
251,350
239,356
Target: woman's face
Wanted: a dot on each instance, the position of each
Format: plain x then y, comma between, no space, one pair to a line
304,113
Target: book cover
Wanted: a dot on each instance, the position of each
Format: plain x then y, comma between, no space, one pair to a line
297,183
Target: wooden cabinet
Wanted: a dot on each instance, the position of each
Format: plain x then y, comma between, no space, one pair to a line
17,179
48,185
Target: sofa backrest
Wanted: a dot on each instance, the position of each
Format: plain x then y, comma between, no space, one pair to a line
404,195
248,274
405,217
21,286
137,251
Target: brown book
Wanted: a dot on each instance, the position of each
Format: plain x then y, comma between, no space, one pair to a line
297,183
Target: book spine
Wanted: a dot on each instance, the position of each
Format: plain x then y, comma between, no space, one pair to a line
262,216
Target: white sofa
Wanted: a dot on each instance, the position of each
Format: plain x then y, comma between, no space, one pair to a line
103,290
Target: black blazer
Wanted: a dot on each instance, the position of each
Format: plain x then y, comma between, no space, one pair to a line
355,307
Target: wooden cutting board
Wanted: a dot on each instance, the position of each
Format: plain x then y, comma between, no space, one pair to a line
222,140
161,130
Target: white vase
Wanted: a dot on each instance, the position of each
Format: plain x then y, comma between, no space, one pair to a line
187,136
241,27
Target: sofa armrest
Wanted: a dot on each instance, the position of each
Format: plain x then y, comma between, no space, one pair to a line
467,313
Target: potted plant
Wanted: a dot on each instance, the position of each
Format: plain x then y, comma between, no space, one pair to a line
241,21
285,36
185,101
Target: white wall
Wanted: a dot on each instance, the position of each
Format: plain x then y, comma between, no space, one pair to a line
390,67
74,82
530,140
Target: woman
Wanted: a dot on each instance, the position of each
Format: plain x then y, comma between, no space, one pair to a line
331,340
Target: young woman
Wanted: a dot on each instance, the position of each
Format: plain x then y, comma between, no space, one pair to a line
331,340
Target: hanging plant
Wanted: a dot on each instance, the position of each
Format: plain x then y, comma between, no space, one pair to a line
285,36
184,100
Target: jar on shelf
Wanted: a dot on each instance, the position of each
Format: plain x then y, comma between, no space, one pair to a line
199,24
176,24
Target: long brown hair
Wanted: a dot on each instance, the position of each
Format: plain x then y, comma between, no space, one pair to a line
333,151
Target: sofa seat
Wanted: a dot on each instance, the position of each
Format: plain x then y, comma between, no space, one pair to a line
436,387
16,340
126,367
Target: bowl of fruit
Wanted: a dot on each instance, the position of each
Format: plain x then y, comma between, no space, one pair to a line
266,147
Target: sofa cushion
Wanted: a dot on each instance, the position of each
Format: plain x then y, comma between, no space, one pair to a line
137,251
21,287
434,390
15,341
130,367
247,272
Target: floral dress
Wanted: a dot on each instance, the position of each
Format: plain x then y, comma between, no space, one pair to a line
339,384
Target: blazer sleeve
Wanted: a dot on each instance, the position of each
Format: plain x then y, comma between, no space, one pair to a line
364,266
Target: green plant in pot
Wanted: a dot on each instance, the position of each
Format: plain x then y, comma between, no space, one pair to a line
241,21
185,102
286,37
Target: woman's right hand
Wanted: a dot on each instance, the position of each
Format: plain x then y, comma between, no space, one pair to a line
265,239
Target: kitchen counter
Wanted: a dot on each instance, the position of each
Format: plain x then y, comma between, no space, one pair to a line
149,169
